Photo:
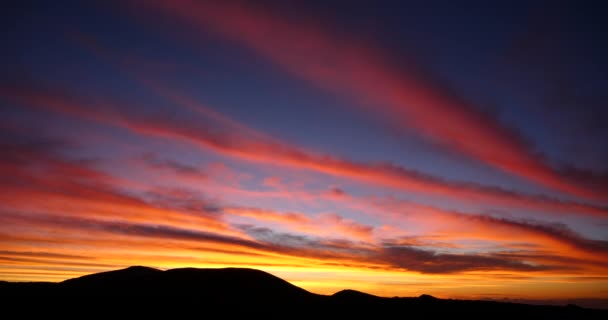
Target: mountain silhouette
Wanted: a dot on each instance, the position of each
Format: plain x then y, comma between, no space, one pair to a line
213,285
147,289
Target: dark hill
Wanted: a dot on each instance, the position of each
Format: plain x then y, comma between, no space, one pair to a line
228,284
130,277
147,290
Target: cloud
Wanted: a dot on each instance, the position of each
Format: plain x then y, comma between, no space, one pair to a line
451,225
269,215
326,224
24,152
212,115
229,142
267,235
33,178
176,167
428,261
558,231
184,200
400,257
265,240
595,180
340,62
146,230
36,178
346,226
43,254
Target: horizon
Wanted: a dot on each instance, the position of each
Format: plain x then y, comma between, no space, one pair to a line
399,149
592,303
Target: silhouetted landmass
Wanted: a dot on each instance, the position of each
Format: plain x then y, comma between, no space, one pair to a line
145,290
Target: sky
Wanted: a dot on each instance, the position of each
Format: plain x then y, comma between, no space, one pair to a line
399,148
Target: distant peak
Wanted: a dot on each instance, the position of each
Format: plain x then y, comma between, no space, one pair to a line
346,291
351,293
140,269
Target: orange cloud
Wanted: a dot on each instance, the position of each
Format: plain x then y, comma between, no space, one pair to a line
442,227
38,181
163,238
448,226
326,224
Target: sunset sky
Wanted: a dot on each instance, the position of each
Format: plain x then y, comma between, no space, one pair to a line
452,148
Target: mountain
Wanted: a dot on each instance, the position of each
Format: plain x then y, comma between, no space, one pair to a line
237,289
211,284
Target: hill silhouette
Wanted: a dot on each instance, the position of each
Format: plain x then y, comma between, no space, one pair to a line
211,284
215,289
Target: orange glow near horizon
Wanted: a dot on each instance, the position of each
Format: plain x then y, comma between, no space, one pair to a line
62,211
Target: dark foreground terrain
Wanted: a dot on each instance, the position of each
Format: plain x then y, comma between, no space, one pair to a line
232,291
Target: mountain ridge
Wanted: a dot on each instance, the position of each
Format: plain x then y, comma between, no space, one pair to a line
252,287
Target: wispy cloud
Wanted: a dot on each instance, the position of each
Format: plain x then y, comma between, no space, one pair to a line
35,179
342,63
181,216
229,142
428,261
324,224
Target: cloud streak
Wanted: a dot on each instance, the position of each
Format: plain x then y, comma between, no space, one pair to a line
266,240
171,223
325,224
228,141
339,62
168,217
449,225
34,179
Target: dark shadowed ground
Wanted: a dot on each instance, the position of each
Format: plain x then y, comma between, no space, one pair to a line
145,291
